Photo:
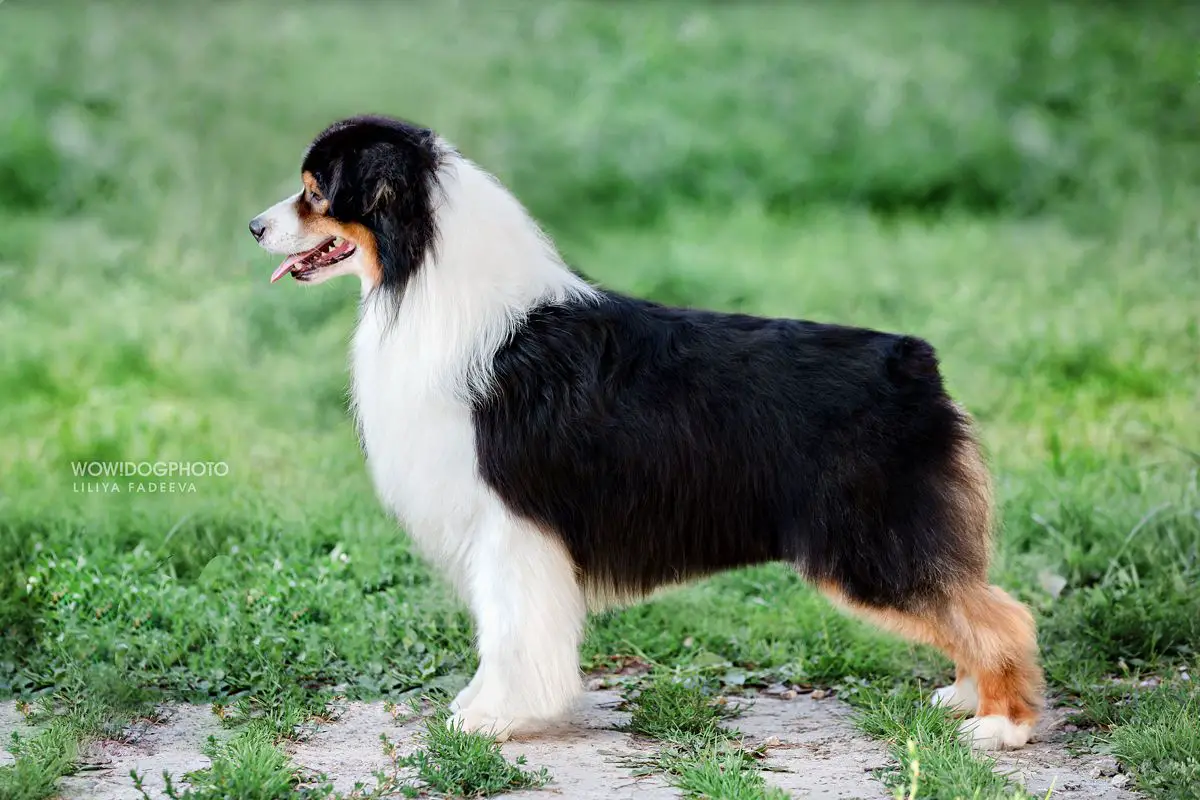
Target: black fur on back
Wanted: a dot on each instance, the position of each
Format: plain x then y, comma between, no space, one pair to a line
382,173
662,444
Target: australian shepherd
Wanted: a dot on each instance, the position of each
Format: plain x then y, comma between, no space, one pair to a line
553,446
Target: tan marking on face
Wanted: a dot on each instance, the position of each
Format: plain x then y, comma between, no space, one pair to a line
312,200
363,239
312,212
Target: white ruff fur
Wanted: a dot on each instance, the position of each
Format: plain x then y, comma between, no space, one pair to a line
416,369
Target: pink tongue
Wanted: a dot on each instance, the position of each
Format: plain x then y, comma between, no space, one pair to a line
288,263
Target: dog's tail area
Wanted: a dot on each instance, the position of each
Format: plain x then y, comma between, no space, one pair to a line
965,482
912,358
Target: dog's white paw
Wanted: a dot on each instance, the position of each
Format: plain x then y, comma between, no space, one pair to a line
996,732
500,728
961,696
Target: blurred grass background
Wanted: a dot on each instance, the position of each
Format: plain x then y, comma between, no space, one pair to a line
1016,182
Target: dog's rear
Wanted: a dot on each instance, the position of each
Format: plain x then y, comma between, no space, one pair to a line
896,493
941,506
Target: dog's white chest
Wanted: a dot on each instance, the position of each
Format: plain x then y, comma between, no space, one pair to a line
417,433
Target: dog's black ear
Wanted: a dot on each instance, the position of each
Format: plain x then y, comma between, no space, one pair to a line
397,182
381,176
381,194
332,182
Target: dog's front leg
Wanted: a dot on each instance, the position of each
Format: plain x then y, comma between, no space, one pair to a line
464,698
529,614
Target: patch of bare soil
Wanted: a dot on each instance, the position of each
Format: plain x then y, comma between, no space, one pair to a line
1047,763
813,749
11,722
589,757
348,750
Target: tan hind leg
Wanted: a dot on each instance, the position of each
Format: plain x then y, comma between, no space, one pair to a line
993,643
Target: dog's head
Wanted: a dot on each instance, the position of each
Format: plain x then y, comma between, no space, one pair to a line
366,207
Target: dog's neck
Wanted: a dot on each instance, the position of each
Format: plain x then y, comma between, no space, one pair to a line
490,266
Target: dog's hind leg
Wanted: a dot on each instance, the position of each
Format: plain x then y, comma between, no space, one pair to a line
962,696
946,602
996,644
529,614
993,643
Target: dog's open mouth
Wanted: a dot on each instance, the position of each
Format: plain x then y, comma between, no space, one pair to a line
304,265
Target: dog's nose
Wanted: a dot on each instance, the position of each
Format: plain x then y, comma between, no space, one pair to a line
257,228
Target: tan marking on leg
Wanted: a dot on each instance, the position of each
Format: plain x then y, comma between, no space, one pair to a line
990,637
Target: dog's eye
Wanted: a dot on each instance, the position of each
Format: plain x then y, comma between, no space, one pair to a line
314,197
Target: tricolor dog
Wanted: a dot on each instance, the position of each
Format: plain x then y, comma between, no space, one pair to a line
552,446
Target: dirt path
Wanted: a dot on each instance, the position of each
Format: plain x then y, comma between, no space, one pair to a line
1047,763
813,752
10,722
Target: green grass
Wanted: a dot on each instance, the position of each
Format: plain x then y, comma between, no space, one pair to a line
698,755
1016,183
933,762
44,758
249,765
96,703
1156,732
454,763
723,773
672,710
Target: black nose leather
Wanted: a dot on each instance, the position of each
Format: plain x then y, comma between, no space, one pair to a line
257,229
